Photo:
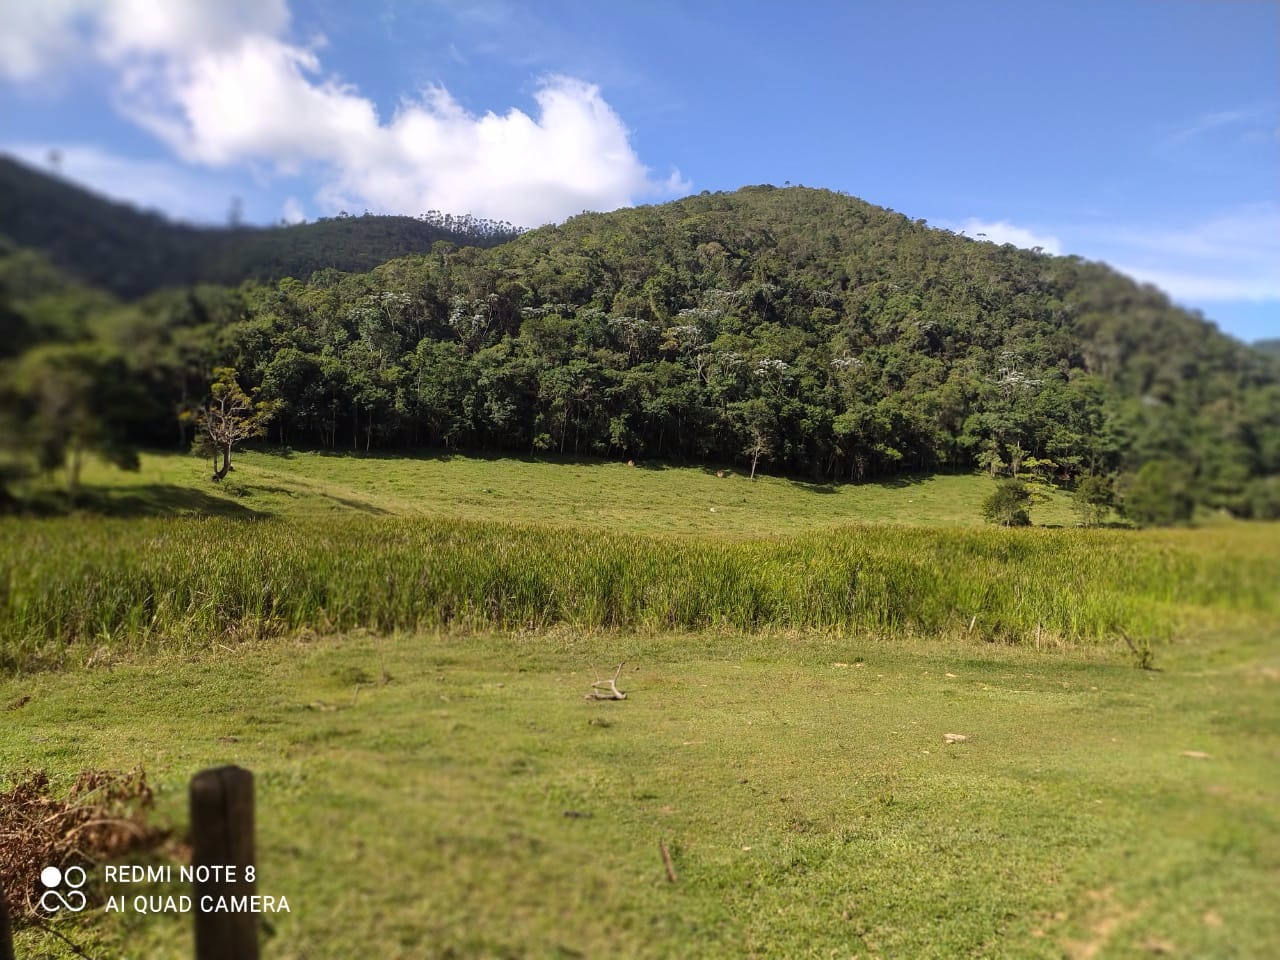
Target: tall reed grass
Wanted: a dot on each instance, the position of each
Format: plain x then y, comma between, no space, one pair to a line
68,583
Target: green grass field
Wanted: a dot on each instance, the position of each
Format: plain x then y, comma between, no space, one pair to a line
400,649
468,801
643,499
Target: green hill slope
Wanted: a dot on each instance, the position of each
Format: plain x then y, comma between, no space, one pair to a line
811,331
806,332
131,252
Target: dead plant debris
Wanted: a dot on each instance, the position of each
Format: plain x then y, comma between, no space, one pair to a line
103,817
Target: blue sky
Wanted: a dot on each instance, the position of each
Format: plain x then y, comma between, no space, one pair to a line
1141,132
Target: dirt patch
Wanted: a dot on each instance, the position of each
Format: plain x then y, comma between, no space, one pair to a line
102,817
1106,917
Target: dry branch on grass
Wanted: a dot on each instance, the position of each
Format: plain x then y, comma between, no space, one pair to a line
667,862
607,689
103,817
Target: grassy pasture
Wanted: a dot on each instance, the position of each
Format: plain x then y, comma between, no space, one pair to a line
469,803
643,499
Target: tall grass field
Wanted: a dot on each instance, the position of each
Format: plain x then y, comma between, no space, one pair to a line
74,584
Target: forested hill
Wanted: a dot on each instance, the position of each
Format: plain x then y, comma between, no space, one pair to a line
805,330
129,252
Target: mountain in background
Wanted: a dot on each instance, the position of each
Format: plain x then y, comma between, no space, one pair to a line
801,331
129,252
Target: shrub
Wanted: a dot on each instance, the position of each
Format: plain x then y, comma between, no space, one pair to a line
1008,504
1093,499
1263,495
1159,494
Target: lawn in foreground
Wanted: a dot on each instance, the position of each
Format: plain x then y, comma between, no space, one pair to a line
469,802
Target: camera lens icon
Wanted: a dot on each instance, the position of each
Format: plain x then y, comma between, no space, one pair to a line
53,900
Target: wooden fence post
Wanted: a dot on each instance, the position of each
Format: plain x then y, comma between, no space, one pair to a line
222,836
6,929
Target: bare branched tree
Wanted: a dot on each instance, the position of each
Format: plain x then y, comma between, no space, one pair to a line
757,447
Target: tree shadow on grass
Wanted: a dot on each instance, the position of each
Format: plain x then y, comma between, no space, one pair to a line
164,499
408,453
350,504
814,486
433,455
358,505
730,471
143,500
898,482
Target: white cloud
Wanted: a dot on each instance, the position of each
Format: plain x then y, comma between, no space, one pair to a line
1002,232
1231,257
574,155
293,212
253,101
1251,123
1196,285
221,86
36,35
172,27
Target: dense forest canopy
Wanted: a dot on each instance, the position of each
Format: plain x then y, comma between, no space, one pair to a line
803,330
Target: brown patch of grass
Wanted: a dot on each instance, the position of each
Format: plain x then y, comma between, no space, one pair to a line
1108,917
102,817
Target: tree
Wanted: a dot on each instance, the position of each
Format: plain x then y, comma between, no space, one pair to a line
757,423
757,447
12,466
989,459
1016,457
1093,499
229,416
1159,494
1042,468
1008,504
1264,498
75,399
